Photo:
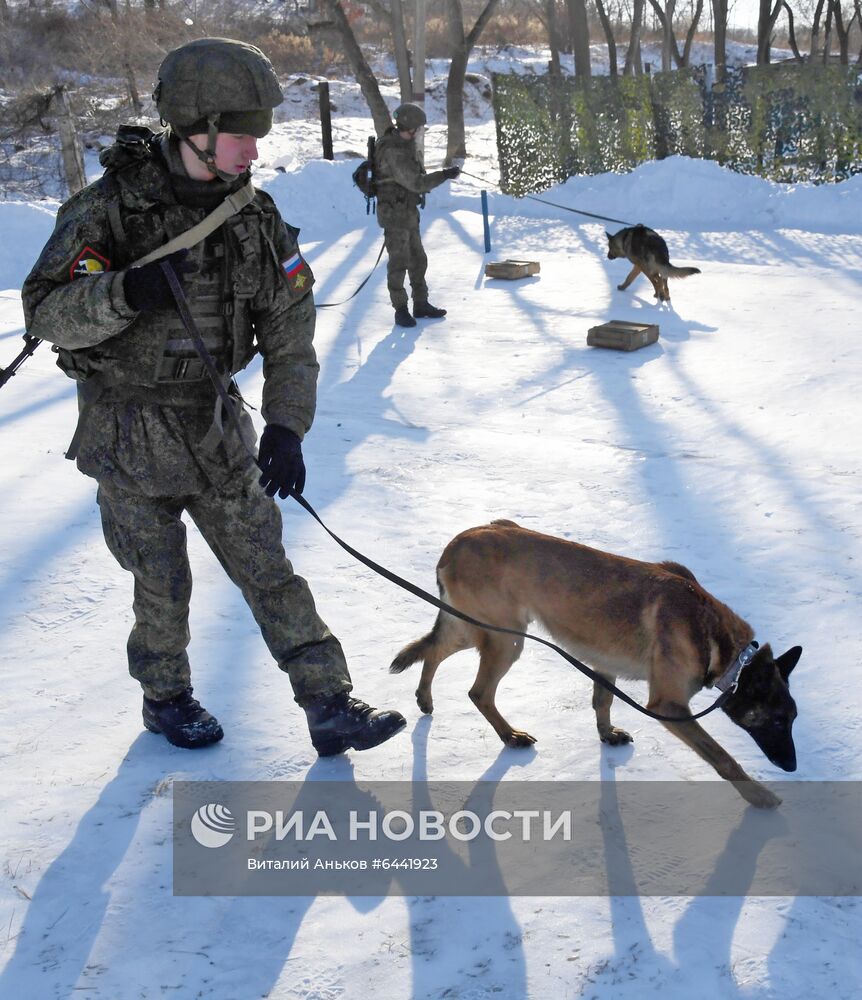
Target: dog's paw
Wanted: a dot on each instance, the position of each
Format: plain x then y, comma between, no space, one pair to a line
621,288
425,702
519,739
616,737
758,796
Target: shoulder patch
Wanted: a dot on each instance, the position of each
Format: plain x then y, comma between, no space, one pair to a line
297,274
88,262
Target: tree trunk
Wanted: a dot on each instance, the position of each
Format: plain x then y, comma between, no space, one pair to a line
550,7
668,42
842,32
419,70
692,31
361,70
70,145
579,30
719,38
608,29
670,49
815,29
791,34
827,34
766,18
402,57
633,65
462,45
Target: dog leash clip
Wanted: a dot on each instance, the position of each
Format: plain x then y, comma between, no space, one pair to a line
730,681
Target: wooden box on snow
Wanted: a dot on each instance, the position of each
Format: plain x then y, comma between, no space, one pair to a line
512,268
621,335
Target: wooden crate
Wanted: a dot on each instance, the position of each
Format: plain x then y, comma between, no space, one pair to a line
621,335
512,268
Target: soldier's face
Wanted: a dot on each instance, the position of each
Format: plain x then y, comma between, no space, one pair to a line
234,154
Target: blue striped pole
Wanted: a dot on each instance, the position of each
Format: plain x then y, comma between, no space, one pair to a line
485,224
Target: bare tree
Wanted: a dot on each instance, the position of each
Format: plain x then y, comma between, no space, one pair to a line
393,17
462,44
719,38
579,32
791,33
633,65
548,16
359,64
697,13
670,47
843,30
608,29
768,12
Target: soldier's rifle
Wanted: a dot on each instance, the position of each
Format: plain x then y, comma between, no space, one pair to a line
30,345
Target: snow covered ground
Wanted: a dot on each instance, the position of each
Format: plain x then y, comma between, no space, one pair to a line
731,446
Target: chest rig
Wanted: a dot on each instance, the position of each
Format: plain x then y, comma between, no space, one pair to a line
154,360
212,308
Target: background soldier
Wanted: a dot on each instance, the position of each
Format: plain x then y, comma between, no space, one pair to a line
147,432
401,188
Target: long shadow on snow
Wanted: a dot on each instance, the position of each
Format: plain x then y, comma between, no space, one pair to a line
703,935
462,933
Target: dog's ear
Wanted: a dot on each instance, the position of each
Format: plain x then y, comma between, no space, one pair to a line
608,235
787,661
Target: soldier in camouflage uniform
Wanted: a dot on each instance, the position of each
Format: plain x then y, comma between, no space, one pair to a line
151,429
402,184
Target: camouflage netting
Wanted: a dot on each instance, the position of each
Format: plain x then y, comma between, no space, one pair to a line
787,123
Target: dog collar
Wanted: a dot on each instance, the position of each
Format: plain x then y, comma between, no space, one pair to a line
730,679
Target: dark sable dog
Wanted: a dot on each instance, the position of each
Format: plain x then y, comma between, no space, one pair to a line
648,621
648,253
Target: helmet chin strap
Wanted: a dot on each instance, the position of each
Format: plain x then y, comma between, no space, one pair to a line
207,157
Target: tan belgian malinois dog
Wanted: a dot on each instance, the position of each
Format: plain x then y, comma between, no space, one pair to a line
623,617
648,253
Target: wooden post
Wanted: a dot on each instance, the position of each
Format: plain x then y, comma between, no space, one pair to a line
325,119
70,147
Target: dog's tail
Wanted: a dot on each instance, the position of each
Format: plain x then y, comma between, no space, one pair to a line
669,271
415,651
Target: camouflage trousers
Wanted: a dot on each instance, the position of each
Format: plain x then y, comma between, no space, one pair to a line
406,257
243,528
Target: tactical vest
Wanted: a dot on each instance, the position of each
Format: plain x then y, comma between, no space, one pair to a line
154,358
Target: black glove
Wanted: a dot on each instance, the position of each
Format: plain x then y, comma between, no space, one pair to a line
450,173
146,288
280,459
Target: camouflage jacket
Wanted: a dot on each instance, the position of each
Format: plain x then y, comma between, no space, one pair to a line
401,179
73,298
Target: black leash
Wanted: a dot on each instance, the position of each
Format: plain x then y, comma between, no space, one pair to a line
329,305
553,204
411,588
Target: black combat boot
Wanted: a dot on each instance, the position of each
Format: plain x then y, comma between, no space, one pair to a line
424,310
339,722
182,721
403,317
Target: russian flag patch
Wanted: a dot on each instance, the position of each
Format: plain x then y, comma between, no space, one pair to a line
297,274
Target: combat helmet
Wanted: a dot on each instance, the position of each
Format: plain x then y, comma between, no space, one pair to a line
408,117
214,85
